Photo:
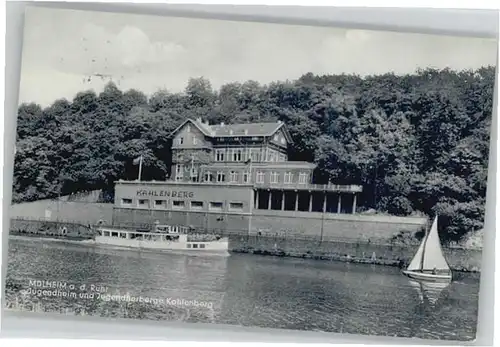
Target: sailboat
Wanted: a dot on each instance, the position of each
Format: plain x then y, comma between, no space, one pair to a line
429,263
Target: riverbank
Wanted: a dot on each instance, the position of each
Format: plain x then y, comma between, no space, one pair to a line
459,259
347,259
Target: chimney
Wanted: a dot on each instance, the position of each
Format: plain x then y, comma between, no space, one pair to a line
279,122
231,132
246,131
221,124
199,120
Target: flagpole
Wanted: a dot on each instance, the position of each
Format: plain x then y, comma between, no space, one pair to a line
250,169
140,168
192,168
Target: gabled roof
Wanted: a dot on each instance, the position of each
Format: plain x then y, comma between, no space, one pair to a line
203,127
250,129
237,130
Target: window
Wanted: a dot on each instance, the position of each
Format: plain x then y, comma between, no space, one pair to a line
126,201
260,177
255,138
197,205
233,176
282,157
276,137
274,177
178,204
302,178
219,155
195,140
193,172
160,203
236,206
142,202
195,245
221,177
188,245
179,172
272,156
254,154
236,154
208,176
216,205
202,245
188,128
246,177
181,140
283,141
288,177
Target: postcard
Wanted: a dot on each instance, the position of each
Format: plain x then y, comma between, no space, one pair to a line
250,174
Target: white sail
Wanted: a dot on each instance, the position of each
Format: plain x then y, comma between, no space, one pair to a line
416,262
433,254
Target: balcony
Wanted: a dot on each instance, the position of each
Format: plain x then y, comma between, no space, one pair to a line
310,187
272,186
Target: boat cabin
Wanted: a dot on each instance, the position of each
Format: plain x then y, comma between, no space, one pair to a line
170,229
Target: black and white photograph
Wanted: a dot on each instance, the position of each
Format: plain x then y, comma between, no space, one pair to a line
250,174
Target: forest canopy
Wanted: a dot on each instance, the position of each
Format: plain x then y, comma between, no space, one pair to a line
418,143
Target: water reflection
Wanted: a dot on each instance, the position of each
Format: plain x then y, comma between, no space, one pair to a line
429,292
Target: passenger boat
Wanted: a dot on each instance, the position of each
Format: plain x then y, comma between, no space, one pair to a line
429,263
163,237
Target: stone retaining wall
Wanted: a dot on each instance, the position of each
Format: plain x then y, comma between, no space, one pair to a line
50,229
459,259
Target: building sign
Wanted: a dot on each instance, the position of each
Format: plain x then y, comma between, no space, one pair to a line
166,193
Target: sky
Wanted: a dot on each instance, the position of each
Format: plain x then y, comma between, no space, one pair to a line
68,51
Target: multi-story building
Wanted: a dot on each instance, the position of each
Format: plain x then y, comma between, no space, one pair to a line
235,153
231,172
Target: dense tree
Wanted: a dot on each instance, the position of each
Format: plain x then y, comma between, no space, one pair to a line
418,143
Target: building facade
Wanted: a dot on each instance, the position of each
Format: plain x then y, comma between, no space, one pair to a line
235,153
230,172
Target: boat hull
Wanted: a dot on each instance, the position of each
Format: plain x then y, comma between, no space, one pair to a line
422,276
220,247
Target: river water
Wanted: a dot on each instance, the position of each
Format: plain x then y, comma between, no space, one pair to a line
245,290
